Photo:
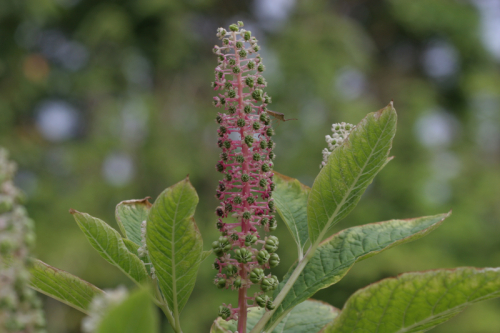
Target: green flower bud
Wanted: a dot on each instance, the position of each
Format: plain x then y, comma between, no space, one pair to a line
224,312
216,265
227,144
263,257
270,305
231,94
246,215
256,275
270,204
265,167
261,80
240,23
269,132
233,27
247,109
231,109
272,155
251,65
237,200
261,68
245,178
241,122
235,237
240,159
267,100
247,35
270,144
239,45
229,177
271,245
218,119
274,260
243,53
236,70
256,48
262,183
264,221
263,144
225,41
256,125
222,101
272,186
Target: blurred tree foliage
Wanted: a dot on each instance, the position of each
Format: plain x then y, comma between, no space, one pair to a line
102,101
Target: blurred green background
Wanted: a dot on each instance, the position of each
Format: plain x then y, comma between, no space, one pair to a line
103,101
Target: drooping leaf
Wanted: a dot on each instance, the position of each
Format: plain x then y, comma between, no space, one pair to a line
416,302
308,317
174,243
62,286
129,216
135,314
290,197
336,255
349,170
205,255
108,242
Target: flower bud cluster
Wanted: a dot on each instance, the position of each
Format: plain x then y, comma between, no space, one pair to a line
340,133
20,308
246,162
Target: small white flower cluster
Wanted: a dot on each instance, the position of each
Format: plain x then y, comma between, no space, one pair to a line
341,132
100,305
143,250
20,307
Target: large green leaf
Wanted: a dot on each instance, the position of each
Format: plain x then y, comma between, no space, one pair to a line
337,254
349,170
290,197
416,302
63,286
174,243
108,242
135,314
307,317
129,215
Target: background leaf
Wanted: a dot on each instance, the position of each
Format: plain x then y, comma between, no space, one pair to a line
307,317
62,286
108,242
290,197
129,215
349,170
337,254
416,302
174,243
135,314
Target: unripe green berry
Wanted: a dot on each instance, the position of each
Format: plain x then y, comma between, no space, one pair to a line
243,53
261,68
241,122
240,159
236,69
261,300
262,257
247,109
272,224
237,200
256,275
274,260
263,183
246,215
250,200
251,65
264,221
218,119
239,45
249,81
269,132
242,255
233,27
227,144
245,178
224,312
247,35
270,305
221,283
237,282
257,94
232,109
256,125
235,237
231,94
250,239
249,140
231,270
263,144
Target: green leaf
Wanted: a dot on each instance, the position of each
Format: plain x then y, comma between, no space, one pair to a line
307,317
62,286
205,255
131,246
108,242
290,197
349,170
337,254
174,243
135,314
416,302
129,215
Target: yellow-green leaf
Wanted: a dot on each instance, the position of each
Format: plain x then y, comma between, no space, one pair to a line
129,216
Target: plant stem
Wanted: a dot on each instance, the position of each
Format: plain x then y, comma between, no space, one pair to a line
160,302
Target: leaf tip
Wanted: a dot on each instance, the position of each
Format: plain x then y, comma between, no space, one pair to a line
73,211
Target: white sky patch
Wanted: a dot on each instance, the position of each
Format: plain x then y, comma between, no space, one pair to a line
57,120
118,169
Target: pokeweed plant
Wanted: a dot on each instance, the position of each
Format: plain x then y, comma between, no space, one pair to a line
160,247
